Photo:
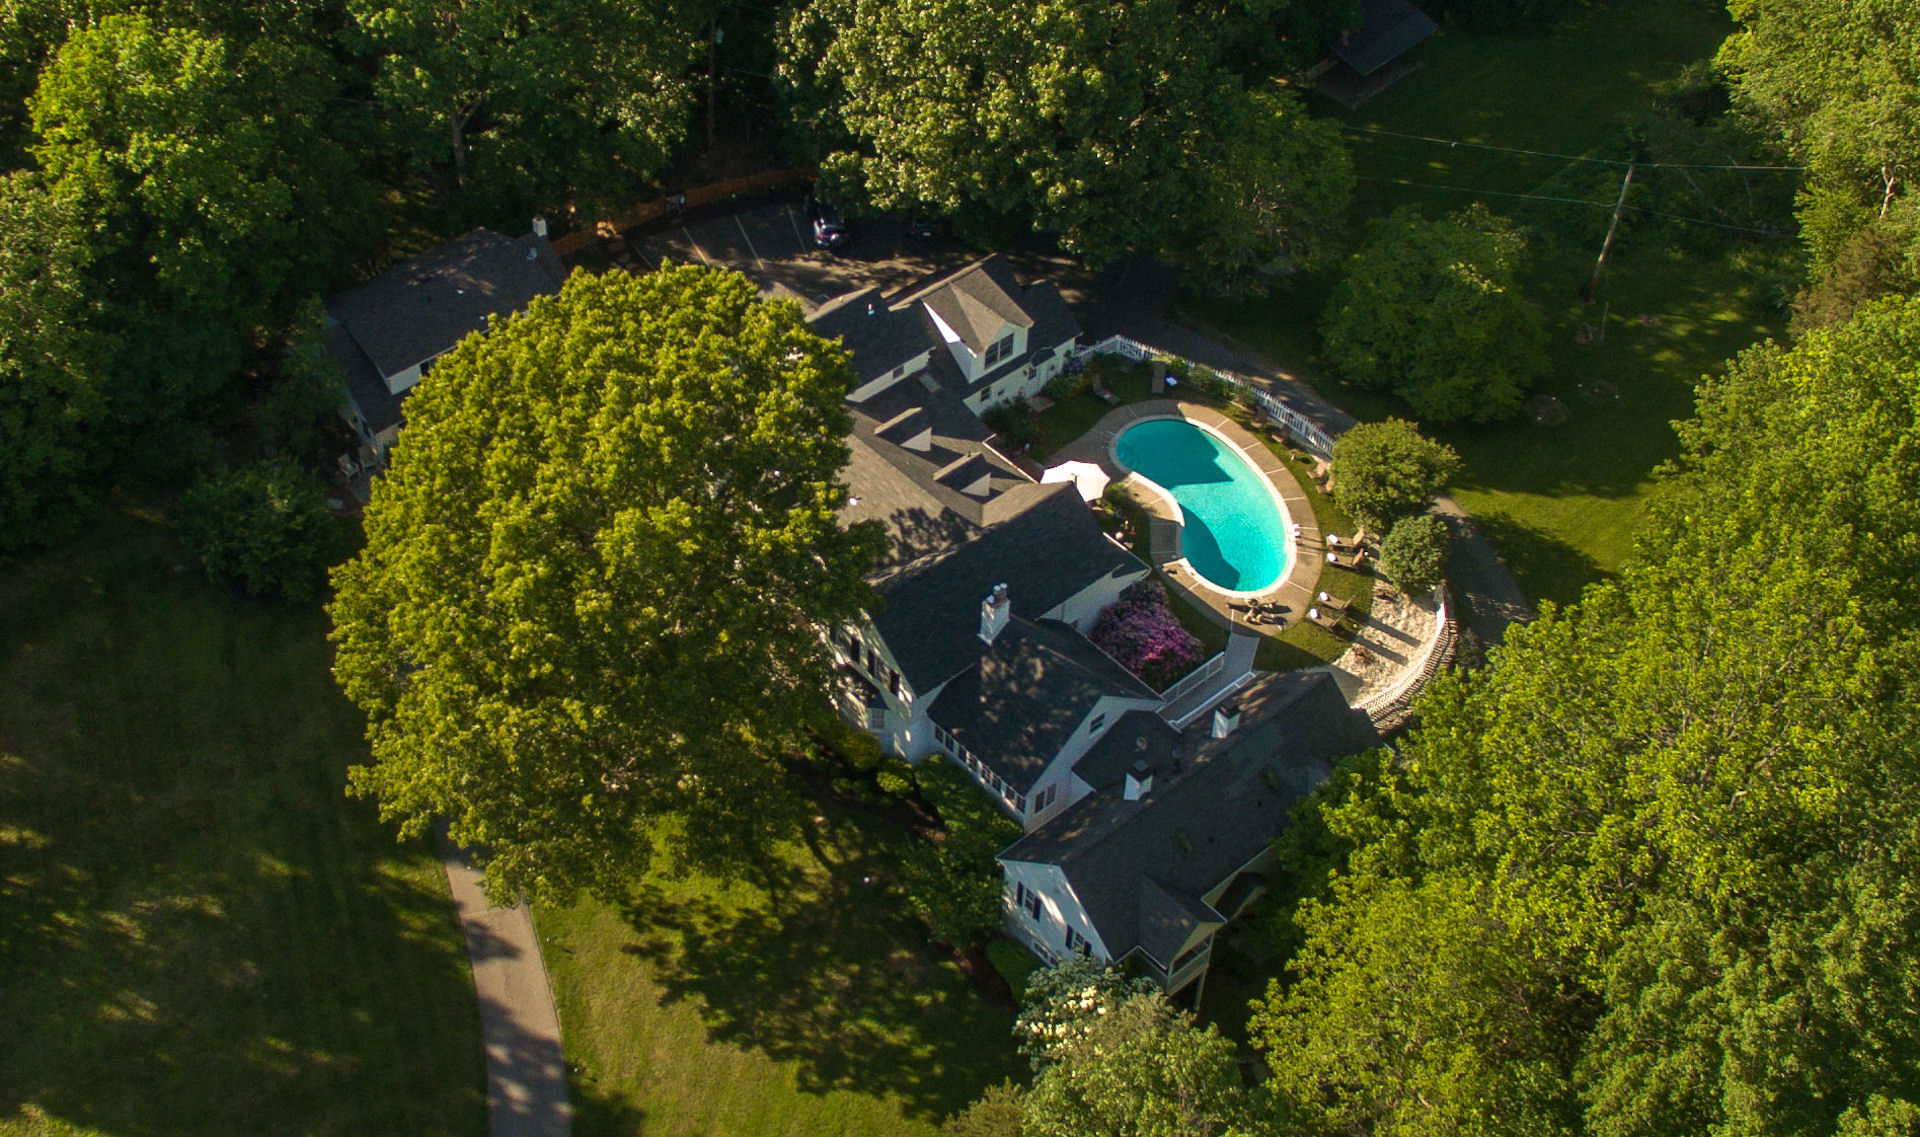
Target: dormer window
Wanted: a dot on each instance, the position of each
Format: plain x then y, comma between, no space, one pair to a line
1000,349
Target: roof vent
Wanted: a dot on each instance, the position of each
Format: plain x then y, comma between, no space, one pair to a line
540,231
1139,780
871,310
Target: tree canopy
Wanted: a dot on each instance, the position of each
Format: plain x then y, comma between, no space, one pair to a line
589,606
1643,875
1109,123
1431,310
1384,471
1413,554
534,100
53,365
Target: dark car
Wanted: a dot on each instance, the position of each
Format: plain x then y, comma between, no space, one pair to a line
829,231
922,228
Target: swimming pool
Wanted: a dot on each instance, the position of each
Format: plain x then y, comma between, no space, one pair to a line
1235,534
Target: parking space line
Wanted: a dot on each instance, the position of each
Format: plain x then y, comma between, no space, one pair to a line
696,246
797,234
749,240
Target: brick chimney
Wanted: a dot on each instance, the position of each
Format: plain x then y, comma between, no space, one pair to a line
994,612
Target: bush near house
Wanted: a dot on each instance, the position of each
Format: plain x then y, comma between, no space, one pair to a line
1141,631
264,528
953,883
1413,556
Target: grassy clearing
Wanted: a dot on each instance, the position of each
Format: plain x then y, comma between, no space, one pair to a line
806,1002
1561,503
198,932
1071,417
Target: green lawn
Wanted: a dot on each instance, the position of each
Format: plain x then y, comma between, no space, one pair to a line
1561,503
804,1003
198,933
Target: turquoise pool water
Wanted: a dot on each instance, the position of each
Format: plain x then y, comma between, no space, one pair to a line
1235,536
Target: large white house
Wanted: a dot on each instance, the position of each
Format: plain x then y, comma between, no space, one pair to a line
1142,840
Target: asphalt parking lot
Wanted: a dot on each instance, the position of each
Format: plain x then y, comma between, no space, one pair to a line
769,242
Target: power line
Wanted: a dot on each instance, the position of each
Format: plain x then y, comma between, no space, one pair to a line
1573,201
1615,162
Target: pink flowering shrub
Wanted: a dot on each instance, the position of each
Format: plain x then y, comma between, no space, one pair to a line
1144,635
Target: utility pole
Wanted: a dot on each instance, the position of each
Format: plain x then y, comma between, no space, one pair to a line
713,41
1606,246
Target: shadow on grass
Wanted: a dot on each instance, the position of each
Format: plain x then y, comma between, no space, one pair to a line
1551,568
597,1113
199,934
828,972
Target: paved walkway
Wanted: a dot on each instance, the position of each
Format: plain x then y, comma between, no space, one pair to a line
526,1069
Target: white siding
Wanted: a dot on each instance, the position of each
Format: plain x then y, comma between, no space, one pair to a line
1083,608
1059,910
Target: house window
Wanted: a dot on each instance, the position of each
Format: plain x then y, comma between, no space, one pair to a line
1076,941
1000,349
1028,899
893,682
876,718
1019,803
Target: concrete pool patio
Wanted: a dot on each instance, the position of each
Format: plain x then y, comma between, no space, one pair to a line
1297,584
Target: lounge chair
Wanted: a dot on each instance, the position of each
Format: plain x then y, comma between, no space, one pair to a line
1333,603
1327,620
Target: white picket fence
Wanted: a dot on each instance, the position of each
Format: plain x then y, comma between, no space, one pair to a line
1303,429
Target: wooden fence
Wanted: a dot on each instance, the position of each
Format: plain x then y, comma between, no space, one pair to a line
692,199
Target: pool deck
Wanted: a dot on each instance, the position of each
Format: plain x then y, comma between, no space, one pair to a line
1295,589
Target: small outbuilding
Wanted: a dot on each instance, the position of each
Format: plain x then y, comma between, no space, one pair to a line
1368,59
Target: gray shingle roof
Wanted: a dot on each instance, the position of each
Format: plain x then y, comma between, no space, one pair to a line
976,301
1388,29
1046,553
379,406
1193,830
420,308
1031,691
879,336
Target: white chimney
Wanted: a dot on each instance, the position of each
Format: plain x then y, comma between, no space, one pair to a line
540,227
1226,719
994,611
1139,780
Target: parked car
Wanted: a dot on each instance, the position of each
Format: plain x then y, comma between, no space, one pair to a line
923,228
829,231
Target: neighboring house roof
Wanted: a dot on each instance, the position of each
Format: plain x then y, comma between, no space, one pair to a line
880,336
378,405
1034,687
1141,868
421,308
1046,554
1388,29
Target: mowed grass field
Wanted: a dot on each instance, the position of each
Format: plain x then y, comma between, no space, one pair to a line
1561,503
198,933
803,1003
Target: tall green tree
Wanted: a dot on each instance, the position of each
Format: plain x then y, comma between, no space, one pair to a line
588,610
1142,1069
532,101
1112,124
1648,858
216,193
1431,310
1386,471
53,365
1840,81
1271,201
